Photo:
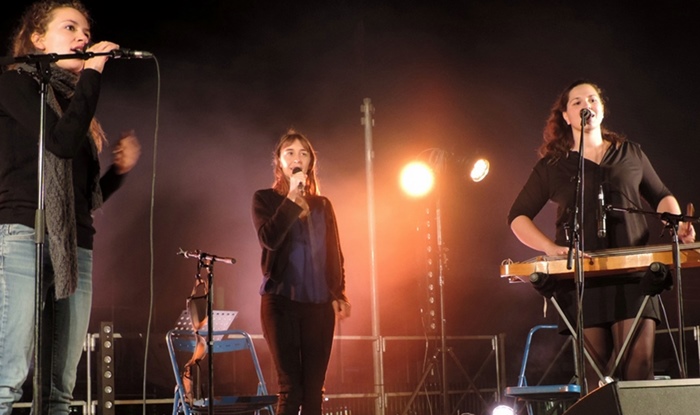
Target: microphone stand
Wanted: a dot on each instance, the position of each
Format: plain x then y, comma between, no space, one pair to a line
672,222
42,62
207,261
40,239
576,245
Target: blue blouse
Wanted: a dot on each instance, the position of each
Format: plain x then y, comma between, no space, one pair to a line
304,279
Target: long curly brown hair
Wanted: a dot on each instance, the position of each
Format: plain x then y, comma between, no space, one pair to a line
557,136
281,183
36,19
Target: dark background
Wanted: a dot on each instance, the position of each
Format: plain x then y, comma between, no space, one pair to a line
472,78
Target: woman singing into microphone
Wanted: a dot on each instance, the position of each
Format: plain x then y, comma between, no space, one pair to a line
621,170
74,190
303,287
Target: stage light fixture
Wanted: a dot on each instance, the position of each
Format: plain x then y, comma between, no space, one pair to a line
417,179
479,170
503,410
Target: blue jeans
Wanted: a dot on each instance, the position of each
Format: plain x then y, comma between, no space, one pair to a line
64,322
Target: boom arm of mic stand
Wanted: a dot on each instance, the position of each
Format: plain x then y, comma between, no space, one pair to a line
53,57
665,216
672,220
203,256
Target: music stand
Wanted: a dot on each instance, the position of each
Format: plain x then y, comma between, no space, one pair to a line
183,338
222,321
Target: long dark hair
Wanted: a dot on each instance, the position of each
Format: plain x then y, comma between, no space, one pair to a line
557,136
281,183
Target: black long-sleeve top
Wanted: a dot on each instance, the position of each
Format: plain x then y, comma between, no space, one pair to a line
273,218
66,137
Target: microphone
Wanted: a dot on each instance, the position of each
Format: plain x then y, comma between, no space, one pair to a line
586,113
130,54
54,57
301,185
602,231
203,256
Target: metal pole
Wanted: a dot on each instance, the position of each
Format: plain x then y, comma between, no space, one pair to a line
40,241
441,284
368,122
683,363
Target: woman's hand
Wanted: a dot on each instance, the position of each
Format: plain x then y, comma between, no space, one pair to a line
341,308
126,153
98,62
686,232
296,185
556,250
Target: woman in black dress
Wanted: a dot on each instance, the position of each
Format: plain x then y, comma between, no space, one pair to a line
621,170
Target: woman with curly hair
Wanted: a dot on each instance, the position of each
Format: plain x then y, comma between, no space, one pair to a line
619,169
73,191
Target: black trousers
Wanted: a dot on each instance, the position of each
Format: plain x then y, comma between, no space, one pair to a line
300,337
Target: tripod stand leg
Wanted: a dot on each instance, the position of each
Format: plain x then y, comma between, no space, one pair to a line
472,385
587,355
421,382
631,333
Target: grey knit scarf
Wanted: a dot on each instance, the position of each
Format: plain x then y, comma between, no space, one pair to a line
59,197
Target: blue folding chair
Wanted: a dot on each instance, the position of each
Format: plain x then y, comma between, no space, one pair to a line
552,399
182,341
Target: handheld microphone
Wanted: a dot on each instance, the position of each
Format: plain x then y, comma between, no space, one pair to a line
586,113
130,54
602,231
301,185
